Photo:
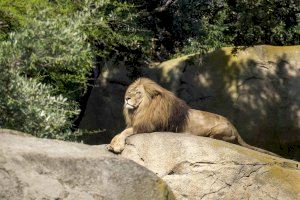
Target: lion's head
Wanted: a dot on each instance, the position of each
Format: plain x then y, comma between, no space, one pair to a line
149,107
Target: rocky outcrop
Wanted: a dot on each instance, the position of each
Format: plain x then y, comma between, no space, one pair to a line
193,167
202,168
32,168
256,88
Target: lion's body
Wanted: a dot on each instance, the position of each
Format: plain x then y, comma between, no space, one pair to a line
207,124
150,108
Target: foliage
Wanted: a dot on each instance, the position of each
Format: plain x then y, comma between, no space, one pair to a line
29,106
204,25
15,14
110,24
123,30
184,26
55,51
44,62
187,26
55,42
273,22
113,31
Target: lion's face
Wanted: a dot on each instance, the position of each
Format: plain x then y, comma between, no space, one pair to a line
134,97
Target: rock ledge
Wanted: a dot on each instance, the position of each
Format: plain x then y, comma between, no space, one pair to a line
203,168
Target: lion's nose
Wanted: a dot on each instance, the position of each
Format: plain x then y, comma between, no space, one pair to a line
127,98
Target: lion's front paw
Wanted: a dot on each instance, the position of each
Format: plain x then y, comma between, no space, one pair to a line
115,148
117,144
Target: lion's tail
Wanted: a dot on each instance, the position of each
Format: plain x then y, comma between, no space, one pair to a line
244,144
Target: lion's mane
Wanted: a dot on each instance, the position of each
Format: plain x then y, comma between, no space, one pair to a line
161,110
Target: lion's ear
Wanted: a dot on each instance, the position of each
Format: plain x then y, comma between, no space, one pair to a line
153,91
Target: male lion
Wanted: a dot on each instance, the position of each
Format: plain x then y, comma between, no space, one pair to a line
150,108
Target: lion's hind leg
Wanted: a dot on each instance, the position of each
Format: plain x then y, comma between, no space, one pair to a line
222,132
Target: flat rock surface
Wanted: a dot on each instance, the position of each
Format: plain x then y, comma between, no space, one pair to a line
203,168
32,168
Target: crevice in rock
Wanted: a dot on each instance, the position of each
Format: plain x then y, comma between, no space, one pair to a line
65,193
137,153
189,166
227,185
213,192
249,79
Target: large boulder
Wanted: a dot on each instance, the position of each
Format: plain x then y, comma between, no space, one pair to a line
256,88
203,168
32,168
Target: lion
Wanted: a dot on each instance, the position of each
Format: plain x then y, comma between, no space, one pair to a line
150,108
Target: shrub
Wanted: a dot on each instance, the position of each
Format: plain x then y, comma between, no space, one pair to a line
113,31
55,51
15,14
29,106
44,68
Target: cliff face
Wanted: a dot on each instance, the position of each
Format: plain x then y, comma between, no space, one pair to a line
256,88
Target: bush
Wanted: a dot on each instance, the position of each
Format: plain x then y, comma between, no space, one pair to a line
56,52
113,31
15,14
44,68
111,26
29,106
56,49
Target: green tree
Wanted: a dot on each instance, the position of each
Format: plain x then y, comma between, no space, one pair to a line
273,22
187,26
